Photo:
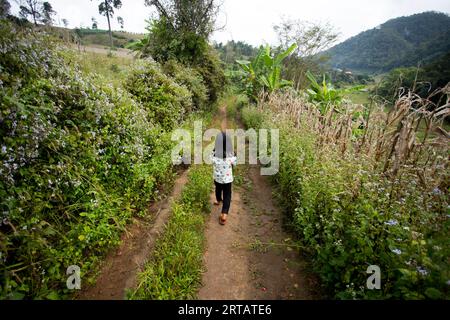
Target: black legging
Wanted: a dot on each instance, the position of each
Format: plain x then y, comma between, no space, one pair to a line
226,189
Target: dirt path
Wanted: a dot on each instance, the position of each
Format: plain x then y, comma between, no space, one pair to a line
122,265
252,257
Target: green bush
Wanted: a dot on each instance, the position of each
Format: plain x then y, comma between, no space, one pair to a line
78,160
348,227
423,81
212,72
189,78
166,101
252,117
241,101
164,43
350,214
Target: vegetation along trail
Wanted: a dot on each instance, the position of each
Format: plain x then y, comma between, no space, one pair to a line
243,260
122,265
96,201
252,257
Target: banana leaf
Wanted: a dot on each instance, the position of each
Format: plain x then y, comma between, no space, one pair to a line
280,57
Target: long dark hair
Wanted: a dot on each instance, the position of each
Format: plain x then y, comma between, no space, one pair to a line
223,146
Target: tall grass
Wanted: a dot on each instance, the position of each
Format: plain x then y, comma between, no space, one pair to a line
174,270
112,68
365,187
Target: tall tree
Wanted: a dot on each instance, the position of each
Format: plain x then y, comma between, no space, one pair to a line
94,23
65,22
47,13
182,29
30,8
196,16
120,22
311,38
181,32
106,8
4,8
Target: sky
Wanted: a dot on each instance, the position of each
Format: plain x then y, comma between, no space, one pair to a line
252,21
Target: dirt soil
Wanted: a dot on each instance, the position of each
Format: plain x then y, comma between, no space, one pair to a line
252,257
121,266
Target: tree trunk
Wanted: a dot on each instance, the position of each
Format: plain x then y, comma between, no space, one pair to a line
109,25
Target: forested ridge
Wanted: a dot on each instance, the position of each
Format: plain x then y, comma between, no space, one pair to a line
400,42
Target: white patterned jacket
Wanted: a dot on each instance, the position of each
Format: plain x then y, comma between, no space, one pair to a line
223,169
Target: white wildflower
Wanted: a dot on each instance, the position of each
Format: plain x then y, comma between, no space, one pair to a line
392,222
422,270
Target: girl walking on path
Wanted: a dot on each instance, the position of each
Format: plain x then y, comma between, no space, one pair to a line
223,160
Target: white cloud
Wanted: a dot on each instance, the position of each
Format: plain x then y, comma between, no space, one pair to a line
253,20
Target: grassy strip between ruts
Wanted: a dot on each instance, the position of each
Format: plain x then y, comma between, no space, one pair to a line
175,268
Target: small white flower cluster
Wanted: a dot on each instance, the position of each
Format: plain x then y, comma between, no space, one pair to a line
391,222
422,271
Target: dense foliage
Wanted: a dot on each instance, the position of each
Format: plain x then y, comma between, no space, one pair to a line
235,50
399,42
193,51
165,44
212,72
325,95
263,73
376,197
189,49
181,33
191,79
166,101
424,81
79,158
342,77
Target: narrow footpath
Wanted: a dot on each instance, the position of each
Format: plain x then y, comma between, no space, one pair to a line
252,257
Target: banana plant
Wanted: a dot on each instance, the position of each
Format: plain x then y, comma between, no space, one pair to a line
138,45
324,95
264,71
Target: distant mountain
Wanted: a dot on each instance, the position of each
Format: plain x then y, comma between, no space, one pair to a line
399,42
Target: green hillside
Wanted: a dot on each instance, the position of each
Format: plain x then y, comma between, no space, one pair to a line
101,37
399,42
87,36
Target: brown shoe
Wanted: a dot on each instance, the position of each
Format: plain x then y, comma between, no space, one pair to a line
223,218
216,203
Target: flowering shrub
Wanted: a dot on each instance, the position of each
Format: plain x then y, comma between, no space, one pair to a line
189,78
166,101
78,160
380,198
